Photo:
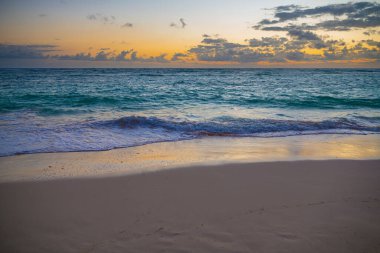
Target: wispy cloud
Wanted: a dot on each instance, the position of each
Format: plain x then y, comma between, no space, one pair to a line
127,25
181,24
105,19
371,32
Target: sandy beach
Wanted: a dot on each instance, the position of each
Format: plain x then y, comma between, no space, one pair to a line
299,206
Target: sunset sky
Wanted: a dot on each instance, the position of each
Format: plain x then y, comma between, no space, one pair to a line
190,33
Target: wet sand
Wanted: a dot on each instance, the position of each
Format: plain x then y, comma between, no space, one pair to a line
197,152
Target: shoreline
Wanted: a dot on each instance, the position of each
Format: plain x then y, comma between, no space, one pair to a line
292,206
195,139
197,152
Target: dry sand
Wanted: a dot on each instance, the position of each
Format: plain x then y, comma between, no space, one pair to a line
301,206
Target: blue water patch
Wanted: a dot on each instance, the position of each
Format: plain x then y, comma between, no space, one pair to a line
54,110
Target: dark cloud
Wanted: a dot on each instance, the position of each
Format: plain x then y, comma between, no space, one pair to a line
122,56
182,21
102,56
285,28
295,56
303,35
105,55
348,24
161,58
9,51
209,40
101,18
339,17
178,56
218,49
290,7
372,43
127,25
42,15
370,32
272,28
76,57
282,49
352,10
182,24
267,22
268,42
293,48
358,51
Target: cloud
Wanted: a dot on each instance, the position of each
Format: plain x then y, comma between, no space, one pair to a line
220,50
76,57
294,47
36,51
178,56
348,24
268,42
295,56
101,18
182,24
122,55
309,38
290,7
92,17
353,10
338,17
371,32
182,21
42,15
372,43
127,25
283,49
160,58
303,35
102,56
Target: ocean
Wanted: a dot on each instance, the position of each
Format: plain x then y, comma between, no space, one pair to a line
60,110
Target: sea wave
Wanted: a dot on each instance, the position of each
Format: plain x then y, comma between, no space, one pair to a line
229,126
60,104
28,135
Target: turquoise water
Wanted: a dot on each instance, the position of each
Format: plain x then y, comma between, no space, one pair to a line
54,110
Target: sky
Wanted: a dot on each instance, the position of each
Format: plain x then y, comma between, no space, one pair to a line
189,33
